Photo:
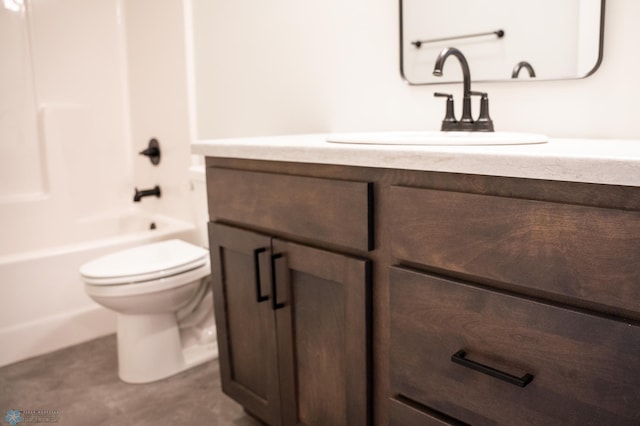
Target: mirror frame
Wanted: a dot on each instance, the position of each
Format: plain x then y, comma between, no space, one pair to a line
504,80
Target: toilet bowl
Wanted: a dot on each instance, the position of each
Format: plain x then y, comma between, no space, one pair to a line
160,293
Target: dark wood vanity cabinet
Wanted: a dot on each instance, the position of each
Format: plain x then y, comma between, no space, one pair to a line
292,319
513,311
447,299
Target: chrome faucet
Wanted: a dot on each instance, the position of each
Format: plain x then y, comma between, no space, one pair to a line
466,123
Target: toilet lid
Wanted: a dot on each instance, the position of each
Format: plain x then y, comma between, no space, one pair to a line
144,263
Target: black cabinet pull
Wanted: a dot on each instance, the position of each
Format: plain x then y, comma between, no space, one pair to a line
459,358
256,267
274,293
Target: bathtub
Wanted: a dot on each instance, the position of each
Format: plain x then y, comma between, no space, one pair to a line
44,306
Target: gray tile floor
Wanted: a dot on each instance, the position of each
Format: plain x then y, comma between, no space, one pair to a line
82,385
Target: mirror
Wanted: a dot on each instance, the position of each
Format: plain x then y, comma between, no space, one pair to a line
503,40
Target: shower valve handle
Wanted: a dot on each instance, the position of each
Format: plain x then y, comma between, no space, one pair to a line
152,151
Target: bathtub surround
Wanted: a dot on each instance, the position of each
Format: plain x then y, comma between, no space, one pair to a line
79,96
158,105
81,383
20,143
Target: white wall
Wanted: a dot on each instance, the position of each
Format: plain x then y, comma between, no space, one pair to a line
297,66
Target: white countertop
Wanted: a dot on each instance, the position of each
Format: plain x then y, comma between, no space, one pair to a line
605,161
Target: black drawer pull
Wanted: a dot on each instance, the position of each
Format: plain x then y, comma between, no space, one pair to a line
256,267
274,294
459,358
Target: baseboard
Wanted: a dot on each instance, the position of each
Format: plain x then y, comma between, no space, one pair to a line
56,332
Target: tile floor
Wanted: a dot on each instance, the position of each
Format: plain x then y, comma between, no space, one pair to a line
81,384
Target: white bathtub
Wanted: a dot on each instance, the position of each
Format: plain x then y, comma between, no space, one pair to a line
44,306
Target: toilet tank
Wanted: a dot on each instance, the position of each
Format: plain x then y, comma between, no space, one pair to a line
199,202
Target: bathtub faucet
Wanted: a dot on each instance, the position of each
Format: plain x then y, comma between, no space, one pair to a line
146,193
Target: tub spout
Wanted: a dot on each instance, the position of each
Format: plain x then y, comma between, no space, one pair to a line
146,193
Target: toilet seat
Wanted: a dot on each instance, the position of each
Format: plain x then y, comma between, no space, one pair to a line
149,287
151,262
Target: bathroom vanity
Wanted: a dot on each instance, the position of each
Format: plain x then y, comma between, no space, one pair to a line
401,285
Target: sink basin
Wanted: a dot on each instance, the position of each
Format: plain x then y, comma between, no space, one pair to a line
434,138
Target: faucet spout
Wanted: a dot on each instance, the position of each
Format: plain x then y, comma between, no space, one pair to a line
146,193
520,65
466,79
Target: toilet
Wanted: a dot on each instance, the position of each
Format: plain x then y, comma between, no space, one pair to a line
163,302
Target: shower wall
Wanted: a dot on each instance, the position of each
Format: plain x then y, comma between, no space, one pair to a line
159,108
19,176
65,153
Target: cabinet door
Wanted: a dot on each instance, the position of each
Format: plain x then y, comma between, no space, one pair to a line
320,301
240,272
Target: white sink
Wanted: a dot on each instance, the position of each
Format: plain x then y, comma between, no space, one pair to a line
438,138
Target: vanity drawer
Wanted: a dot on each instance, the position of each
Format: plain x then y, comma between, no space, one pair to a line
585,369
405,414
329,210
577,252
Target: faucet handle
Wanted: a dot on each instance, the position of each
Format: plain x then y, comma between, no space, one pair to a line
152,151
484,122
450,117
